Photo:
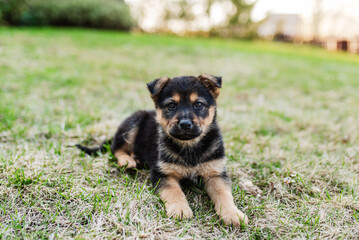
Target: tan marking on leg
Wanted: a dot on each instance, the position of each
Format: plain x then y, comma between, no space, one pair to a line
175,201
131,137
220,193
124,159
193,97
125,154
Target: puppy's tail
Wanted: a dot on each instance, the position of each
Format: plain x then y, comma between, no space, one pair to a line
104,147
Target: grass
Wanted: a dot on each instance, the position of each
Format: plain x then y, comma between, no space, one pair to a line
289,116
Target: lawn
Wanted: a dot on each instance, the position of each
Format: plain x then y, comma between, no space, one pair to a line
289,116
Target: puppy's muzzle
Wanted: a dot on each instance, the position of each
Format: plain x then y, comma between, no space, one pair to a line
185,129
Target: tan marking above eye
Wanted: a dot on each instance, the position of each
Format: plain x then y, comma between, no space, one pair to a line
193,97
176,97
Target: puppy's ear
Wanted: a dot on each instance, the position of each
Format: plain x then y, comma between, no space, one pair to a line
156,86
212,83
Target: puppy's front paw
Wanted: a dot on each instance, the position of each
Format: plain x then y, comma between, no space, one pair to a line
234,217
126,160
179,210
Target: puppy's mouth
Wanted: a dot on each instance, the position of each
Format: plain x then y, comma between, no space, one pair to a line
185,135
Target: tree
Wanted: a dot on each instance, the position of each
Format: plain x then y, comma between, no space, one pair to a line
197,16
239,22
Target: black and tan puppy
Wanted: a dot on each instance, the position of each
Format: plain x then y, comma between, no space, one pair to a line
181,139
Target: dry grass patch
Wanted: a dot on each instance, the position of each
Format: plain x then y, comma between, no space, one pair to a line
289,118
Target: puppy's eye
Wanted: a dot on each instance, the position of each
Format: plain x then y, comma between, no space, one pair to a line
171,106
198,105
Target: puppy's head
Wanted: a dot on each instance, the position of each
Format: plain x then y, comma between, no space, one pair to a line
186,106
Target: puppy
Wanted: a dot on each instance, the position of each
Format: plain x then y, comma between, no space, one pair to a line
181,139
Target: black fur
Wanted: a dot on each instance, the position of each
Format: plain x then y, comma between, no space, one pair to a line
153,143
94,151
179,141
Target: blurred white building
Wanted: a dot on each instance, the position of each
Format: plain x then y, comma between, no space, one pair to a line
285,26
333,23
151,14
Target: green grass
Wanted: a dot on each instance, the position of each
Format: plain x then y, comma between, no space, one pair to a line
289,116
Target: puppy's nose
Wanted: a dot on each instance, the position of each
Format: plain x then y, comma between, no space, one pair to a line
186,124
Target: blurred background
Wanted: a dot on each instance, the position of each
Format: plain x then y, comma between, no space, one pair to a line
72,70
331,24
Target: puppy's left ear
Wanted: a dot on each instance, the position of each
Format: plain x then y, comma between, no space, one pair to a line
156,86
212,83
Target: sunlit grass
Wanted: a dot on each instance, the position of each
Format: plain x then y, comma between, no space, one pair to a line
289,116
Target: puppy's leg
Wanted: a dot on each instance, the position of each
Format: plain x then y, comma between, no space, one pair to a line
124,140
219,190
175,201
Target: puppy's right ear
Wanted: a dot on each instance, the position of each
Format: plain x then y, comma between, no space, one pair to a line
157,85
212,83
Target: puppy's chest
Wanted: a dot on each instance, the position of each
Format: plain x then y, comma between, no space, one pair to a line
207,169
